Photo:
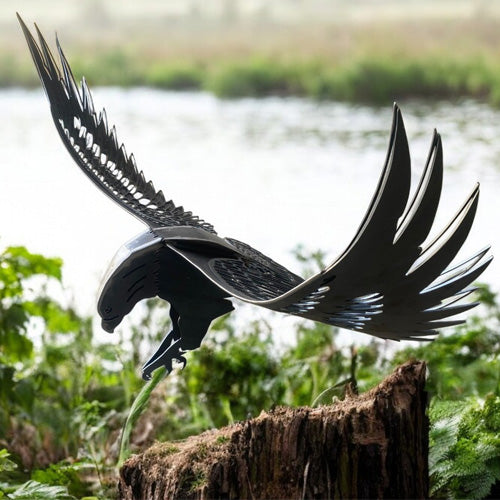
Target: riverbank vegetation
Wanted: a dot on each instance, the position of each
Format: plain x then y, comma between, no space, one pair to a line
375,62
64,399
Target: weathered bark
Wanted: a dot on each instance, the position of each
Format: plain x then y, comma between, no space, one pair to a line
369,446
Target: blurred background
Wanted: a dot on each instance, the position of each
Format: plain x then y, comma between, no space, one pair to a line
271,121
294,31
268,119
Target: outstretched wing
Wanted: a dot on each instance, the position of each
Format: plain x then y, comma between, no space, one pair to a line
384,283
94,145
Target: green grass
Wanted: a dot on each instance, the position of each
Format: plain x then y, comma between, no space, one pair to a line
62,403
365,78
175,76
373,62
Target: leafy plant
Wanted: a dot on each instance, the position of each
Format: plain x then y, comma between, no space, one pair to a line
6,465
63,474
230,376
64,398
33,490
57,401
464,459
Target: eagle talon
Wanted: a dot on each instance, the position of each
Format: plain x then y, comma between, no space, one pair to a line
164,355
147,371
182,359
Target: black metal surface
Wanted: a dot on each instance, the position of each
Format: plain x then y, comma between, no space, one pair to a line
384,283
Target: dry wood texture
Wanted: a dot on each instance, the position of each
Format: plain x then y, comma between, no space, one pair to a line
370,446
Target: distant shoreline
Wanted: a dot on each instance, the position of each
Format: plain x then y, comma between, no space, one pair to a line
368,80
369,62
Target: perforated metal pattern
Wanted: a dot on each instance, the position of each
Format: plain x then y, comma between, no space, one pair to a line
94,145
260,258
257,282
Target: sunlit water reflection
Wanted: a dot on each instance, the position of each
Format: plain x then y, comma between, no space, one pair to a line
271,172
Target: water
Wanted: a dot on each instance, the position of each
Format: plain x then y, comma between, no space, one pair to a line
270,172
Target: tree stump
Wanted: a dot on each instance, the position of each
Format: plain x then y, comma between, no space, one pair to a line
370,446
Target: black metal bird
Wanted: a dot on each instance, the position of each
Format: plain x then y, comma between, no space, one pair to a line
385,283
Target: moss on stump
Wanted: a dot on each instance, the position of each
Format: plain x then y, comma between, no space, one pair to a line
370,446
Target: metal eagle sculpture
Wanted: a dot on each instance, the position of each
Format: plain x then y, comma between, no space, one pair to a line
385,283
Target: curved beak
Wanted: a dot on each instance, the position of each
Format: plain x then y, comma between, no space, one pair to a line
109,325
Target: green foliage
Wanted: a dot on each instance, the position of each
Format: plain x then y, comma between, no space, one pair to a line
110,67
464,459
234,376
230,377
63,474
256,77
369,76
380,79
181,76
64,399
33,490
6,465
56,399
17,265
36,489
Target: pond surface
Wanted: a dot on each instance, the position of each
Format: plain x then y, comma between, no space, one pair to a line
271,172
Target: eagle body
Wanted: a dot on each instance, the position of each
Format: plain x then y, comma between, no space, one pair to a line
391,281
